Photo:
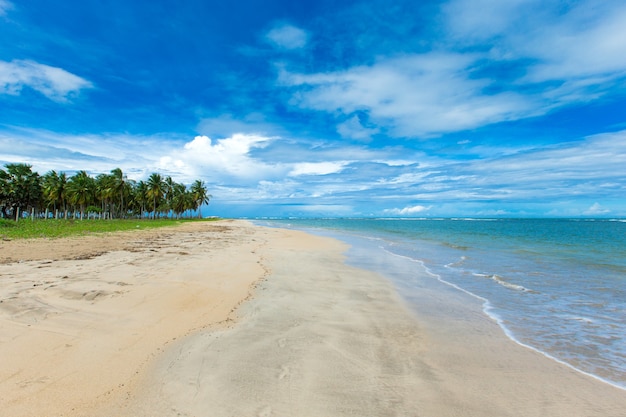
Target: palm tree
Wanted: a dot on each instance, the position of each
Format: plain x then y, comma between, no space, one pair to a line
120,187
179,199
81,190
20,189
62,193
127,192
140,197
105,193
54,187
200,195
155,190
170,190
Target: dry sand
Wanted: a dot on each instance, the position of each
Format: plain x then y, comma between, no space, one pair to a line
76,329
146,330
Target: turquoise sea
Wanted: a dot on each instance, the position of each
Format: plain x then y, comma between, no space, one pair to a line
555,285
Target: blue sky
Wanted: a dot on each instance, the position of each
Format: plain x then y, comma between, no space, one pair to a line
355,108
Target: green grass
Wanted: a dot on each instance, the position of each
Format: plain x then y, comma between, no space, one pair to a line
28,229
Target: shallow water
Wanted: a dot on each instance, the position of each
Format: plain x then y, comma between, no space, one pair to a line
555,285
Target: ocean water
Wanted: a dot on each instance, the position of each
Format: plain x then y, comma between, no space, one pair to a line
555,285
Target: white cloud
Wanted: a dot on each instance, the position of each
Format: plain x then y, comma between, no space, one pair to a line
353,129
595,158
4,6
407,178
229,157
327,209
473,21
590,168
225,160
493,212
418,95
55,83
595,210
496,61
563,42
316,168
287,37
274,171
226,125
580,49
407,211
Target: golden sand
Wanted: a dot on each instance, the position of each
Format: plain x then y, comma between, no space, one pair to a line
230,319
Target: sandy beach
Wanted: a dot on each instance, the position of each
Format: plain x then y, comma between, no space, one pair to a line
230,319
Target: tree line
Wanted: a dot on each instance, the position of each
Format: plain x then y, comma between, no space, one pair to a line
105,196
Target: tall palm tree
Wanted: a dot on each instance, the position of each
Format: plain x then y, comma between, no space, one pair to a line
54,187
120,187
105,194
127,193
170,190
140,197
179,199
200,195
155,190
81,191
62,193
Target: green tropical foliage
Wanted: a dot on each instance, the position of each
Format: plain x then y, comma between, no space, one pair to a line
24,192
199,195
54,187
20,190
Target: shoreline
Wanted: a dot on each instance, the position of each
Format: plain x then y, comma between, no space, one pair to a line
367,254
450,313
291,330
486,309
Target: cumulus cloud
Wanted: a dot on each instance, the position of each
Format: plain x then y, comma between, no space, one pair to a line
227,160
223,158
287,37
407,211
596,210
55,83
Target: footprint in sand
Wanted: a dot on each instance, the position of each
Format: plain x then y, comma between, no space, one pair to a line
284,372
29,382
282,342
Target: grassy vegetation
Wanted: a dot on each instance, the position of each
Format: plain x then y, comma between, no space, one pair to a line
26,228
